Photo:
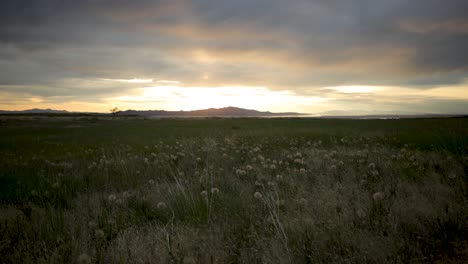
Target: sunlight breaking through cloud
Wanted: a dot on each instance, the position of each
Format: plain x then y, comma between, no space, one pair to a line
172,97
134,80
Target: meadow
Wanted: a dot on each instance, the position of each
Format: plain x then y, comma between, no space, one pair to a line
289,190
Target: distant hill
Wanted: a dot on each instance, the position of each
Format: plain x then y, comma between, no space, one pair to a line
35,111
211,112
227,112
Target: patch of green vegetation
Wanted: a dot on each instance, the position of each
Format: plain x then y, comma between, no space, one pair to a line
286,190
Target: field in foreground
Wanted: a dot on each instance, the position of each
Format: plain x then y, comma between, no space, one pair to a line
233,191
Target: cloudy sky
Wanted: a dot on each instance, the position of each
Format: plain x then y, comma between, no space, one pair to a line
315,56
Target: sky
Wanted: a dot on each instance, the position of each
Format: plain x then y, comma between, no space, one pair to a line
316,56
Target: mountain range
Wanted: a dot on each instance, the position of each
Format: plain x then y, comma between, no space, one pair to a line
35,111
230,112
211,112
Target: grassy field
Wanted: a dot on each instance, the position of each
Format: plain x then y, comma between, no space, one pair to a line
94,190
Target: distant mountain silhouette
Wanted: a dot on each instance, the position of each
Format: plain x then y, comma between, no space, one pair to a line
211,112
35,111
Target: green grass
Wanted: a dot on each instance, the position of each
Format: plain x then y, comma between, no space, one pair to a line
83,190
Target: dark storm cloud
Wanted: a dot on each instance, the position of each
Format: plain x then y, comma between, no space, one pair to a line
294,45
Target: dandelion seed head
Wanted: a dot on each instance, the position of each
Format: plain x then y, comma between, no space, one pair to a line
360,213
214,190
378,196
161,205
204,193
151,182
258,195
240,172
126,194
112,198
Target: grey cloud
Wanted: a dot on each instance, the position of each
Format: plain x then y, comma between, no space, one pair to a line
123,39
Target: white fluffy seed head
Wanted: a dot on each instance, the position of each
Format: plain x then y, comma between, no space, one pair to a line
112,198
258,195
161,205
378,196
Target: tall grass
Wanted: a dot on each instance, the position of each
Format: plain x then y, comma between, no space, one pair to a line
234,191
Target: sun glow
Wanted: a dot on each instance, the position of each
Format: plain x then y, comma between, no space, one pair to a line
173,97
355,89
134,80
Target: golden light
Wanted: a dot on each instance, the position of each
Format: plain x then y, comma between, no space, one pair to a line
134,80
174,97
355,89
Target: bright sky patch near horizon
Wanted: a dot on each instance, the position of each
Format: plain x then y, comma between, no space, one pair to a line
318,57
